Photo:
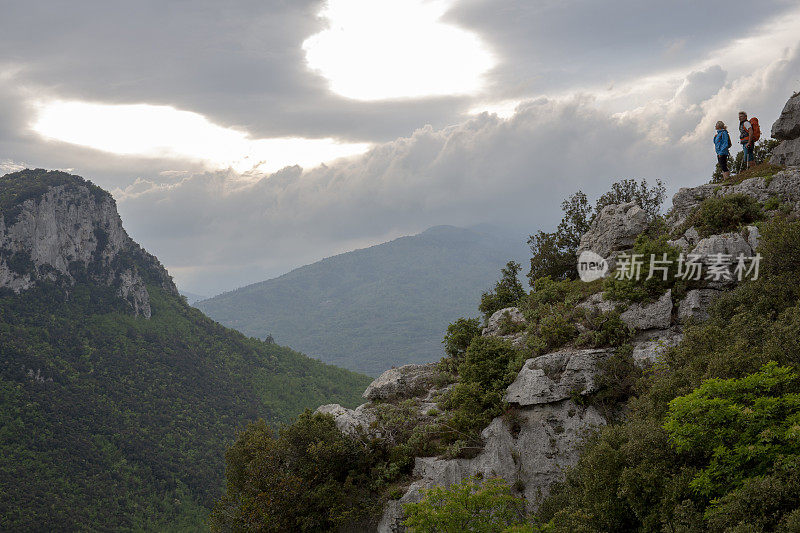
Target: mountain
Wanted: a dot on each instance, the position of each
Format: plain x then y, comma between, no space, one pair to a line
373,308
117,399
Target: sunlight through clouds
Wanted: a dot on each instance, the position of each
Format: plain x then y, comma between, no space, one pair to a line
381,49
166,132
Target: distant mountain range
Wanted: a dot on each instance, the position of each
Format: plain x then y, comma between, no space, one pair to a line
117,399
382,306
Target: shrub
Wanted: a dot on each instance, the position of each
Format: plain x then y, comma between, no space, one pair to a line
645,288
507,292
780,246
725,214
458,337
486,506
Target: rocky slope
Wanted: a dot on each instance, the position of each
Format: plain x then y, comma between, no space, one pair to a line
60,228
550,419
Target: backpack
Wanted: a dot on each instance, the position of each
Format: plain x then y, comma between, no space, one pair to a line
756,129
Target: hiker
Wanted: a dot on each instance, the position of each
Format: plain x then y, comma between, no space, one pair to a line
747,137
722,144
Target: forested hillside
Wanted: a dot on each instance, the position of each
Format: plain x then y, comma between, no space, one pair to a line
374,308
110,420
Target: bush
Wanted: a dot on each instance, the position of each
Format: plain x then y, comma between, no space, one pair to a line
507,292
780,246
650,252
472,505
458,337
725,214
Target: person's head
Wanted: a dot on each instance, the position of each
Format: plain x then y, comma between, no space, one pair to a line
742,116
721,125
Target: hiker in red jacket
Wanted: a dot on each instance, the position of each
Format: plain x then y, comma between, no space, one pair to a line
748,139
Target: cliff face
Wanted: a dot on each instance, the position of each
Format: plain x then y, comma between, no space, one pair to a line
60,228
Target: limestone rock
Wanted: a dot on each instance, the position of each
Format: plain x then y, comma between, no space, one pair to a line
649,347
656,315
751,235
724,243
349,421
787,126
71,227
695,305
596,303
614,229
556,376
784,185
534,453
403,382
787,153
493,325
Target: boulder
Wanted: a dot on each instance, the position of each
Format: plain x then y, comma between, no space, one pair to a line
732,244
596,303
614,229
349,421
648,348
556,376
787,127
494,324
656,315
751,235
406,381
787,153
695,305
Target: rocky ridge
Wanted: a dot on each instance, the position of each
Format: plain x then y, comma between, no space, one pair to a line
550,419
70,231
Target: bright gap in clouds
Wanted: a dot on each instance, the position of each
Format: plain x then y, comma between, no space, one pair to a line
163,131
380,49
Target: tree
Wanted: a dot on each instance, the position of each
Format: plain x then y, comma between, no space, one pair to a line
628,190
555,254
507,292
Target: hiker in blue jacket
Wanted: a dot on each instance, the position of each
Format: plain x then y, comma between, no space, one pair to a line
722,144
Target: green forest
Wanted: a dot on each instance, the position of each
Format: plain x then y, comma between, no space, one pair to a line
113,422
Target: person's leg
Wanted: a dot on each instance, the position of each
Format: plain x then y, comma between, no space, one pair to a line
749,156
723,166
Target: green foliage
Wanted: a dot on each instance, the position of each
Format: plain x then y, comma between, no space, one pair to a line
312,477
507,292
724,455
740,427
724,214
652,282
457,339
486,506
780,246
120,422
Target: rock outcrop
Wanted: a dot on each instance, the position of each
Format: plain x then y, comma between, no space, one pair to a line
70,231
784,185
403,382
510,316
614,229
787,130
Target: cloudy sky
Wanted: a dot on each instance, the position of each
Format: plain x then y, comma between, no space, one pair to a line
242,139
